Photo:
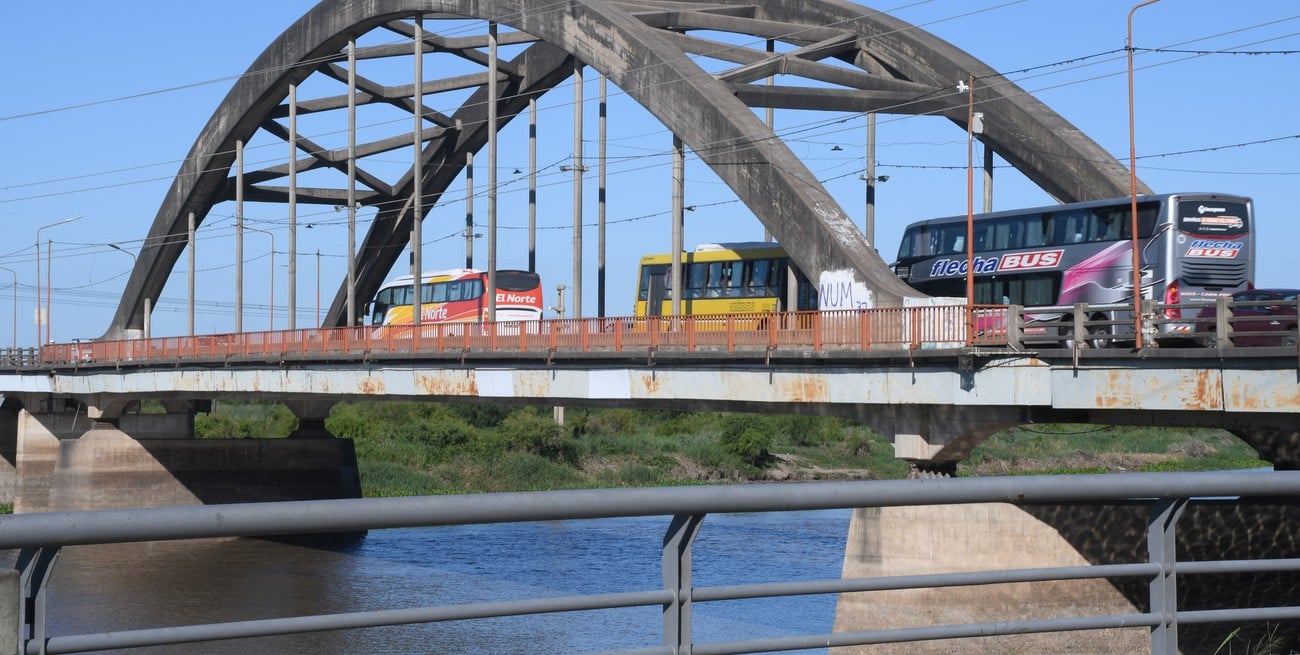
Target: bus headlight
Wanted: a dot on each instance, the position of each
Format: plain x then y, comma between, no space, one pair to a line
903,271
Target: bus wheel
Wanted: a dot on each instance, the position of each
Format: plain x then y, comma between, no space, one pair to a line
1065,329
1099,336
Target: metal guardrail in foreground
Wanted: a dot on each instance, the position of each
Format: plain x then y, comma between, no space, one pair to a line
41,535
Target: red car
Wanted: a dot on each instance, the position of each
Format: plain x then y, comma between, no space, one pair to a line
1260,317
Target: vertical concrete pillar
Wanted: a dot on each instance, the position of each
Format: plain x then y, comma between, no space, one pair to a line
934,438
86,458
954,538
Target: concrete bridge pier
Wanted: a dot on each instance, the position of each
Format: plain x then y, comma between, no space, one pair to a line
311,415
99,455
934,438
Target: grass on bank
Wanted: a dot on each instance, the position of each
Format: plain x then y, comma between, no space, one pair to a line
421,448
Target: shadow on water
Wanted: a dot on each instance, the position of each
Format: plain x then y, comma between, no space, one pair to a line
1208,530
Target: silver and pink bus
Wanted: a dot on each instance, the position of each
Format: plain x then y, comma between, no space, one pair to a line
1192,247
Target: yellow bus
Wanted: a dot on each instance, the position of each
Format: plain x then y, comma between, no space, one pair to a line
723,278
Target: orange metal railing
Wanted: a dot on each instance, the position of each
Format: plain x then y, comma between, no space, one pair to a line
866,329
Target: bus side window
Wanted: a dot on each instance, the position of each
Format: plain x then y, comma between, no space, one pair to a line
716,281
1037,229
439,292
697,278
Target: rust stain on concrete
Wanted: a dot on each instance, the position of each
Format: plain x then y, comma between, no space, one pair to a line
1244,393
372,386
1204,391
1109,396
532,385
651,383
455,384
802,389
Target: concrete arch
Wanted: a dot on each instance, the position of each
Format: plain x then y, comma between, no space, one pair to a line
643,47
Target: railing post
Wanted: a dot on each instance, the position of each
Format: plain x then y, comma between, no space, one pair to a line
864,329
34,566
817,331
676,566
1079,331
914,317
1015,327
970,325
1223,322
1150,321
1164,586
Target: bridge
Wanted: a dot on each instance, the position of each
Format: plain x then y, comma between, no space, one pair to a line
934,379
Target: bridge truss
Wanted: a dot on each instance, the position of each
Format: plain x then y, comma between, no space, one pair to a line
828,55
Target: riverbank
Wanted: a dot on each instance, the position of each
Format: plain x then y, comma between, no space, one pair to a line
413,448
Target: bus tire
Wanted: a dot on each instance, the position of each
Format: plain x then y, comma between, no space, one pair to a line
1100,336
1065,330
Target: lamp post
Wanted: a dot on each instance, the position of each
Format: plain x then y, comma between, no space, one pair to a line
272,280
46,321
14,347
147,310
1132,183
970,210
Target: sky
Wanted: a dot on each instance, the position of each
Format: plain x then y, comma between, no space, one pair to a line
104,100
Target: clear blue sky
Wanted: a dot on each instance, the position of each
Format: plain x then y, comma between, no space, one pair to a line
1220,122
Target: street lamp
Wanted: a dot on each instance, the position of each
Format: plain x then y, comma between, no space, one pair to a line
272,292
1132,183
148,309
46,322
14,348
974,125
120,249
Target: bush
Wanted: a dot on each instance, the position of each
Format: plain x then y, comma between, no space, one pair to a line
805,430
437,434
613,422
747,436
481,416
349,425
240,420
528,430
669,423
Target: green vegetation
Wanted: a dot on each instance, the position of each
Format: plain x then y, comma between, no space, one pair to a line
1267,642
1064,448
409,448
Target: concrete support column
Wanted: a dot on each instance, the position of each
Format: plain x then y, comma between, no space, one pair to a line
933,438
311,418
99,456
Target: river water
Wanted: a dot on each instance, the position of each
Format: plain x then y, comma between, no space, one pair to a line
135,586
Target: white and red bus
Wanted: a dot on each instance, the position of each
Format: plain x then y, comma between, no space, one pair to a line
1192,247
458,296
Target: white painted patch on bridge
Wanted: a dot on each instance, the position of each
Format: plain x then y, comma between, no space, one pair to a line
842,290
